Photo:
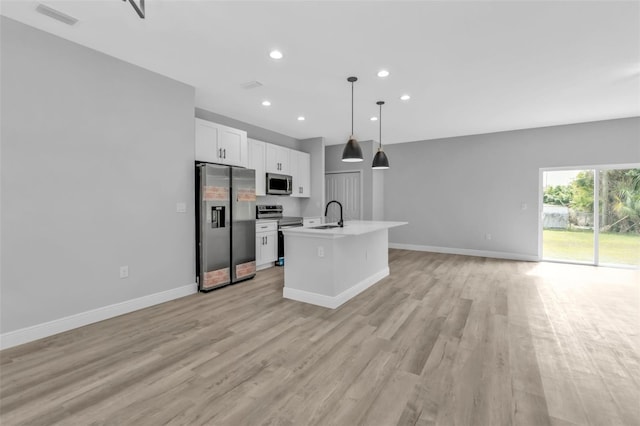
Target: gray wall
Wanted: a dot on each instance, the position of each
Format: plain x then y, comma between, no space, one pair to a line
314,205
377,201
372,191
454,191
254,132
95,154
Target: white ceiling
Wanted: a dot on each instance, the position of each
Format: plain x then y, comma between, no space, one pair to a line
470,67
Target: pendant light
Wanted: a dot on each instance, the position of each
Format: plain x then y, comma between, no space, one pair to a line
380,160
352,151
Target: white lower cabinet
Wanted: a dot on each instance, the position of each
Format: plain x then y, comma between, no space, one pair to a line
266,243
311,221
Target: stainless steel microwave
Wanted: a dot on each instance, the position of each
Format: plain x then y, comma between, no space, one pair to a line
278,184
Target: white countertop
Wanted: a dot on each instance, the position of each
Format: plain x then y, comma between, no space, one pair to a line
352,227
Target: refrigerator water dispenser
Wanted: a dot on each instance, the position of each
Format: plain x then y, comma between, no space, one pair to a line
217,217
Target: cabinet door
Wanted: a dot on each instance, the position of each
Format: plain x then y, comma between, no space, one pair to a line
206,141
295,174
271,247
230,145
304,174
271,164
301,173
259,249
277,159
284,155
257,163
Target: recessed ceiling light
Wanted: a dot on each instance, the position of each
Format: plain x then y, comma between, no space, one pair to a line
374,119
405,97
383,73
266,103
301,118
275,54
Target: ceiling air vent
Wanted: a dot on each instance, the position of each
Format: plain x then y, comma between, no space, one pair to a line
251,84
55,14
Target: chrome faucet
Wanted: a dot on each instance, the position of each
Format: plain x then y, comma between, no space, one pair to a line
326,209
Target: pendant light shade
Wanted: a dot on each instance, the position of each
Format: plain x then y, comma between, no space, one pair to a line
352,152
380,160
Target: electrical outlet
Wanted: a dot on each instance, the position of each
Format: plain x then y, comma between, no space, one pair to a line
523,206
320,251
181,207
124,272
487,236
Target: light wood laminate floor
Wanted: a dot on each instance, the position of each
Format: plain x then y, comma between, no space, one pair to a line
445,339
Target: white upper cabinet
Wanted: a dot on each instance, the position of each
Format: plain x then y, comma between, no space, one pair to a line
257,163
277,160
216,143
301,174
268,158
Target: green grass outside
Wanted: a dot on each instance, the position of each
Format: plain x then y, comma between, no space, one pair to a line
621,249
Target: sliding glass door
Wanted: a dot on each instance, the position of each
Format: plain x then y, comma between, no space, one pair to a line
591,216
619,217
568,233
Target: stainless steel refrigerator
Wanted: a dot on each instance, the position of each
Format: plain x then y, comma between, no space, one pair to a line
225,225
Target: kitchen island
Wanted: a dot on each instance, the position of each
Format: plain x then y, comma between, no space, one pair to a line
327,267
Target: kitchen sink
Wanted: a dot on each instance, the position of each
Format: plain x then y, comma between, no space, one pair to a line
325,227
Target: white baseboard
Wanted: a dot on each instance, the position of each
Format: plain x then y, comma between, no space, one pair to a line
38,331
334,301
467,252
264,266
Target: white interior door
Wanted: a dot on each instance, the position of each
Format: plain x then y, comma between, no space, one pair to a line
345,188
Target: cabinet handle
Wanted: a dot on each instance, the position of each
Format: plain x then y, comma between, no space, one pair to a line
264,227
265,240
300,190
224,151
219,152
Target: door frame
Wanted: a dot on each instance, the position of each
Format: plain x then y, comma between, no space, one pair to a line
596,203
337,172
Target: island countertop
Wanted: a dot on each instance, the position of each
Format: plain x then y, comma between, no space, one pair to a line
352,227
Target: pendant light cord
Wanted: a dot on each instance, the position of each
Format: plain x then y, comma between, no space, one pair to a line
380,123
352,108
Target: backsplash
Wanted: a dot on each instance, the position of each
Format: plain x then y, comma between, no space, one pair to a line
290,205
